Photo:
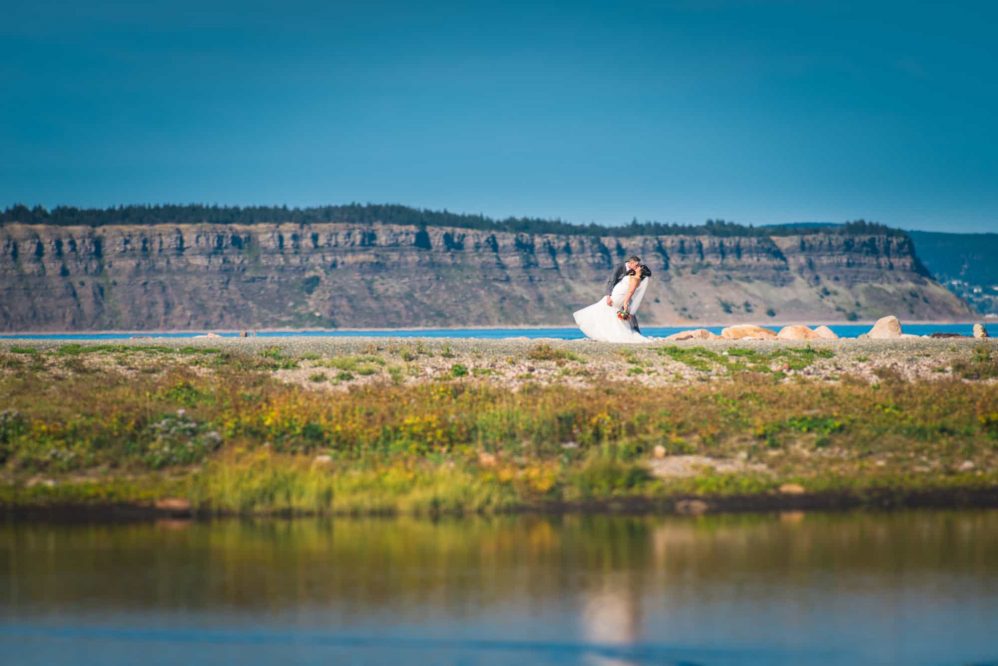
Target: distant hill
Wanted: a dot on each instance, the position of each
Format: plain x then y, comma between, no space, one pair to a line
969,257
197,267
967,264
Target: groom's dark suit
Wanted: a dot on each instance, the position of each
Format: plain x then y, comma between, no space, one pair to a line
618,273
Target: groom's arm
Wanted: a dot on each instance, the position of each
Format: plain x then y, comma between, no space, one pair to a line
613,279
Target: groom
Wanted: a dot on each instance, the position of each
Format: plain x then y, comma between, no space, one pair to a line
633,263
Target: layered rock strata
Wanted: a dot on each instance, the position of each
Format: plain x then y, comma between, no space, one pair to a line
234,276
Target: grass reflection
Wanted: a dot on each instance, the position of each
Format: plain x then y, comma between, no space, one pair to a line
454,566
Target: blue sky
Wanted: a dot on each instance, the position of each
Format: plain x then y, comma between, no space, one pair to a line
757,112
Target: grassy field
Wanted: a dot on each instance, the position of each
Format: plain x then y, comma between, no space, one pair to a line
352,426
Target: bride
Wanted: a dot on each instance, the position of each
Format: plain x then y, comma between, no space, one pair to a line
600,321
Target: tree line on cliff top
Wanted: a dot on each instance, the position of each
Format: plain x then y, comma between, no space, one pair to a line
402,215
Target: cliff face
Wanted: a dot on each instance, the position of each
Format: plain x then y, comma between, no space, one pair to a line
203,276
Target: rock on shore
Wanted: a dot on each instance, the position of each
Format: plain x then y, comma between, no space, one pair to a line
826,333
695,334
797,332
885,328
747,332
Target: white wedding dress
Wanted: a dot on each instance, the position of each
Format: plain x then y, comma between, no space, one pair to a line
599,321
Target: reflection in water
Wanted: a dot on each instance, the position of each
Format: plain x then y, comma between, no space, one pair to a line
918,587
611,615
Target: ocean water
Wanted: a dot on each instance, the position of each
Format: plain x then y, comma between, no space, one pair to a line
567,333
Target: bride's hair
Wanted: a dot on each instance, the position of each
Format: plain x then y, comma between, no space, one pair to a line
644,271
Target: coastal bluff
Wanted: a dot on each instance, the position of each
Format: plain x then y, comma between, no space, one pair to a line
360,275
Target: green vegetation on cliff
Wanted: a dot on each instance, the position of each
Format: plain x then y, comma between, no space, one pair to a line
396,214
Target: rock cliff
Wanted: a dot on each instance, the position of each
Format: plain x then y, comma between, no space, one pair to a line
243,276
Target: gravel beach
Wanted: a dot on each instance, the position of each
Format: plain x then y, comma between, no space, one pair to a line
513,362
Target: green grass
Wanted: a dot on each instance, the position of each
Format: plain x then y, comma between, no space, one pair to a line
738,359
697,358
75,349
798,358
820,426
238,439
601,477
265,483
363,365
545,352
982,364
186,394
278,359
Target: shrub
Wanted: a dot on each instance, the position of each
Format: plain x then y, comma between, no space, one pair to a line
12,425
278,360
362,365
603,477
23,350
185,394
983,364
176,439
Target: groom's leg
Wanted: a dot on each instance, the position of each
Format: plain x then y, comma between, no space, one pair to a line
634,323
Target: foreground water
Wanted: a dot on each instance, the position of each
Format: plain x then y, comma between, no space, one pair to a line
912,587
842,330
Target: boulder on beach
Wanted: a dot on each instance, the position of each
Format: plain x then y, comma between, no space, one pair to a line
796,332
886,328
825,333
980,331
695,334
747,332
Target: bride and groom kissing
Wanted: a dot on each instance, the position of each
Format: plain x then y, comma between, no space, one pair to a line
614,317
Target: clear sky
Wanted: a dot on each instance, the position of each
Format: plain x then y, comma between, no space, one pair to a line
751,111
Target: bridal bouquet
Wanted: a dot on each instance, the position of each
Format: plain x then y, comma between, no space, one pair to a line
623,314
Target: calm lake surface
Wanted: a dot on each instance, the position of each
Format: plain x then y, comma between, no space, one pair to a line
856,588
842,330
